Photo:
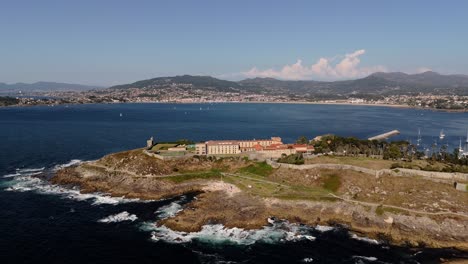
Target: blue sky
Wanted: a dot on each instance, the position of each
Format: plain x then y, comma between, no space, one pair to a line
113,42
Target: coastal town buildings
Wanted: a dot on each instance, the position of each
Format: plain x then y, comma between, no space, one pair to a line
222,147
273,147
267,148
216,147
200,148
249,145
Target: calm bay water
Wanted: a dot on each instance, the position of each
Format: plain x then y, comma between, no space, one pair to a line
58,226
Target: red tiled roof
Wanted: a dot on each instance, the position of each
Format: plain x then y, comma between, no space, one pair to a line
299,145
258,147
276,146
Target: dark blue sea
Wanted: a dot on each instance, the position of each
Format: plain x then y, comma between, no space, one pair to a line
42,223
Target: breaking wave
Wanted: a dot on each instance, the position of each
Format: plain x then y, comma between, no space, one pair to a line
365,239
23,181
364,258
22,171
171,209
322,229
120,217
71,163
216,234
11,175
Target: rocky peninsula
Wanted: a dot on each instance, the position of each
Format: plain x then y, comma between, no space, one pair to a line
238,192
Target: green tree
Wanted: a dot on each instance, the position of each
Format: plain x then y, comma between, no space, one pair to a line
297,159
302,140
392,152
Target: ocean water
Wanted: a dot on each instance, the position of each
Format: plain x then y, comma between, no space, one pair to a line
40,222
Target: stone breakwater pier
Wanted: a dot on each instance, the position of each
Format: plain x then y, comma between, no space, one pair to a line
385,135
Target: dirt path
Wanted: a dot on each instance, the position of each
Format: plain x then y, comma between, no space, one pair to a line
253,179
357,202
285,185
397,207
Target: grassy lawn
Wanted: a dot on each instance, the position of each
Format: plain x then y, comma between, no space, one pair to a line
172,153
365,162
304,193
162,146
332,182
379,210
375,164
212,174
260,168
259,187
423,165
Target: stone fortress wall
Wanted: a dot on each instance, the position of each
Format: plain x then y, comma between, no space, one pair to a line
434,175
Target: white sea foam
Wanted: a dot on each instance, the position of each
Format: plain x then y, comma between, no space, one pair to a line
70,163
218,234
22,171
308,260
366,258
23,181
169,210
11,175
28,183
120,217
321,228
365,239
32,173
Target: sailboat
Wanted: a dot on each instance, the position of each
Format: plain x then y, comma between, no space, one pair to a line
442,134
464,151
419,137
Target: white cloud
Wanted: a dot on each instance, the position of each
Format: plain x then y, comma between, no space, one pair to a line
348,67
423,69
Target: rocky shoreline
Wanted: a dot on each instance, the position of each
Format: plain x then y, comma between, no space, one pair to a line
132,175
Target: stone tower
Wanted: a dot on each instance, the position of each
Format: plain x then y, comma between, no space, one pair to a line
149,143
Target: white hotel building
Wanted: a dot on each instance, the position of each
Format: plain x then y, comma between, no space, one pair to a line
220,147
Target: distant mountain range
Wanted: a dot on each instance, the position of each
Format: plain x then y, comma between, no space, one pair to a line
199,82
379,83
376,84
38,87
